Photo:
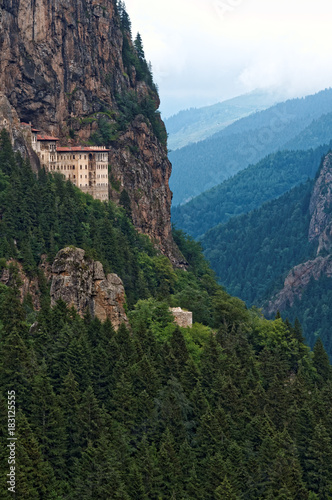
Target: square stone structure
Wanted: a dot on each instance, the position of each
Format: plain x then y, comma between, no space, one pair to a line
182,318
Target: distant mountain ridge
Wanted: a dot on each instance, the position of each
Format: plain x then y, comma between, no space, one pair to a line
248,189
196,124
247,141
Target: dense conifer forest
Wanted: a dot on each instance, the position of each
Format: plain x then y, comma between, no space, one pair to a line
237,407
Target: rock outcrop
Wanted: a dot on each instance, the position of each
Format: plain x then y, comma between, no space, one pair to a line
64,67
320,231
297,281
78,281
82,283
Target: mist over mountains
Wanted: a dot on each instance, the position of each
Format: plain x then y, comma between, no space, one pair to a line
203,165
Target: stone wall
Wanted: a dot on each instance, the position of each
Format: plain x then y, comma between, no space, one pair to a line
182,318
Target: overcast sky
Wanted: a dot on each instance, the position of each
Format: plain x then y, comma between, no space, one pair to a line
205,51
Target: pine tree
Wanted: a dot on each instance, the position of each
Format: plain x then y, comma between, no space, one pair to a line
47,419
125,20
147,461
91,418
70,399
99,474
169,465
179,348
35,478
321,362
225,491
285,473
138,44
319,462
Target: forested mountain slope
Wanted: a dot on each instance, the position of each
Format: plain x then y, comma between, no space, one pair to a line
156,411
196,124
247,141
319,132
251,252
279,255
247,190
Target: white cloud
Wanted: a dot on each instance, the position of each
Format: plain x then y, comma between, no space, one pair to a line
203,51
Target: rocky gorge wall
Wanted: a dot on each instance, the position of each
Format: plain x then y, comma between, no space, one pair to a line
320,231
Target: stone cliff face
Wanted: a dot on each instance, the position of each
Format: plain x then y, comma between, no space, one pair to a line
62,68
321,208
19,134
320,231
60,59
82,283
78,281
144,174
297,281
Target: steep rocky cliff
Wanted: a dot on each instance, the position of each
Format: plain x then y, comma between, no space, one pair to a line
61,59
320,229
72,70
19,133
320,232
144,175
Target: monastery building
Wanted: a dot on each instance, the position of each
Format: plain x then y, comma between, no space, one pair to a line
85,166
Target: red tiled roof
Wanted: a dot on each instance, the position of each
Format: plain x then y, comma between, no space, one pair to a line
46,138
85,149
29,125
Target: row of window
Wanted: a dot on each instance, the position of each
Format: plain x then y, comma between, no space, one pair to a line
70,157
68,167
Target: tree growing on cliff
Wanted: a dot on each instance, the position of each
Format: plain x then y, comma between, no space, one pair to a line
124,17
138,44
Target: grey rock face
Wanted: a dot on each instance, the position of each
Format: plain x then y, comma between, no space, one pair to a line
82,284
